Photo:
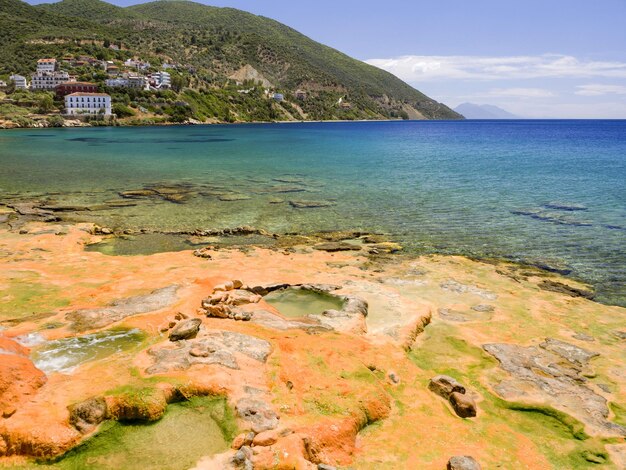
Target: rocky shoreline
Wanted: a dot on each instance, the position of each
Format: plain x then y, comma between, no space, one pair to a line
480,354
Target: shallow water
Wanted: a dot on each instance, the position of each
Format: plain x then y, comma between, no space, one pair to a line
551,192
64,355
142,245
297,303
187,432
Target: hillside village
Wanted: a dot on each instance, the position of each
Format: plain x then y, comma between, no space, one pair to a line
83,90
182,62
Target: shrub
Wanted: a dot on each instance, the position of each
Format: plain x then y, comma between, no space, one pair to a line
122,111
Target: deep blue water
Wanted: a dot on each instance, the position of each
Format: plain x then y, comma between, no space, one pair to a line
483,188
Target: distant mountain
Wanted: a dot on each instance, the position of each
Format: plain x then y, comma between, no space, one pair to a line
483,111
212,44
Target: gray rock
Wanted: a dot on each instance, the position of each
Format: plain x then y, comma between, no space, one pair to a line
620,334
258,413
583,337
93,318
463,405
214,347
454,286
186,329
553,373
463,462
572,353
444,386
322,466
452,315
394,377
485,308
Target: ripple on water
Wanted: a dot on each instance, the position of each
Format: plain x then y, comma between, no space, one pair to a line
64,355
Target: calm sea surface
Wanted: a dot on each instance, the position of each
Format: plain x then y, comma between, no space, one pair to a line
552,192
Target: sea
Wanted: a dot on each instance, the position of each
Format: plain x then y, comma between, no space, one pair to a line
546,192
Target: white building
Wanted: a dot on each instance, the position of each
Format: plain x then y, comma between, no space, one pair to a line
49,80
128,81
46,65
20,82
161,80
137,64
3,84
88,103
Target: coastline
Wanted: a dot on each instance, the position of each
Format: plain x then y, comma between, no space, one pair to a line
345,385
198,123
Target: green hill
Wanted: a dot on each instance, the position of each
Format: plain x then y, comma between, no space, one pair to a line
209,45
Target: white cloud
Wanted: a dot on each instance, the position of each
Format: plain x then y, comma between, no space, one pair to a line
599,90
433,68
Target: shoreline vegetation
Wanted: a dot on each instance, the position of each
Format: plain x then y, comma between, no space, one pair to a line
486,355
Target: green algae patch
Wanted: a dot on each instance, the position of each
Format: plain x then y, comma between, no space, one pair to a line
557,435
188,431
22,295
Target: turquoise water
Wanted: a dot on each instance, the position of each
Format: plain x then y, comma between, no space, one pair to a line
552,192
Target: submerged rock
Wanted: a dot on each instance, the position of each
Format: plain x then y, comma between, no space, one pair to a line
555,286
233,197
310,204
566,206
332,247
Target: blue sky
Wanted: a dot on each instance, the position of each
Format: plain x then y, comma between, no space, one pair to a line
535,58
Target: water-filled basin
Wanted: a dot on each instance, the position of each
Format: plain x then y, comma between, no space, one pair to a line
297,302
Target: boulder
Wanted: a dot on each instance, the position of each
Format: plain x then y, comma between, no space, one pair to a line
463,405
463,462
444,386
186,329
243,439
87,415
265,438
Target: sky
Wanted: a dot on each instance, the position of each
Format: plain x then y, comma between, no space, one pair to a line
534,58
